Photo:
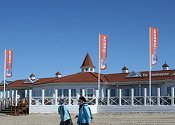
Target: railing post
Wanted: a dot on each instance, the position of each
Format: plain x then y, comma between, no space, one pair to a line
97,96
120,97
145,96
30,97
132,96
172,96
158,96
42,96
69,97
16,99
56,96
108,99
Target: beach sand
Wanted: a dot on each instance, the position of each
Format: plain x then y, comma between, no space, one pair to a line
99,119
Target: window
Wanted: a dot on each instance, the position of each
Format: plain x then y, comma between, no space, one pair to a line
87,69
37,93
65,92
113,93
59,92
81,92
73,93
126,92
89,92
48,92
168,91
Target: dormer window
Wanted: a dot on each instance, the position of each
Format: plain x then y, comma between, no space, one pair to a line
32,79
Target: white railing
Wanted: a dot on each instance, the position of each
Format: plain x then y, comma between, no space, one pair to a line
119,100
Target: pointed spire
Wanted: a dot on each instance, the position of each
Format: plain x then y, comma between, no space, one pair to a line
87,65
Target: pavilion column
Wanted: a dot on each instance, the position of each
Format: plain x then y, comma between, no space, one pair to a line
56,96
97,96
69,97
83,92
145,96
16,97
8,94
26,93
132,96
172,96
120,97
109,95
30,97
0,94
158,96
43,91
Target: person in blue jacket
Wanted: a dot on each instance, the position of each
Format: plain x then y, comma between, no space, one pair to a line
84,116
64,114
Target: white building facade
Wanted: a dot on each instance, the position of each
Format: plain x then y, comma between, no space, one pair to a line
120,92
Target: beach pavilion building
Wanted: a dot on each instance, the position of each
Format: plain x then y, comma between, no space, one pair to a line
119,92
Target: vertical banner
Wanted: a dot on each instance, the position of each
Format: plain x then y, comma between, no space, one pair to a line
153,45
103,51
8,63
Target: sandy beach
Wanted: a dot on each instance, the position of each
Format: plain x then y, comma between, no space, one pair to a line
99,119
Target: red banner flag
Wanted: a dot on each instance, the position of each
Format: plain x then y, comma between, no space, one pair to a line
153,45
103,51
8,63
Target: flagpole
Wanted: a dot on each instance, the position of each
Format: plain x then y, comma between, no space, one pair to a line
4,73
99,68
150,66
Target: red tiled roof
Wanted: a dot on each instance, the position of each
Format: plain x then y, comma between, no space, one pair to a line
82,77
92,77
87,62
18,83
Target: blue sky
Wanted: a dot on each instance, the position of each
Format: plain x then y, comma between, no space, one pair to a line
51,35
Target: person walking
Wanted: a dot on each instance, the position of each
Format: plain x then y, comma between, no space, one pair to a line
64,114
84,116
